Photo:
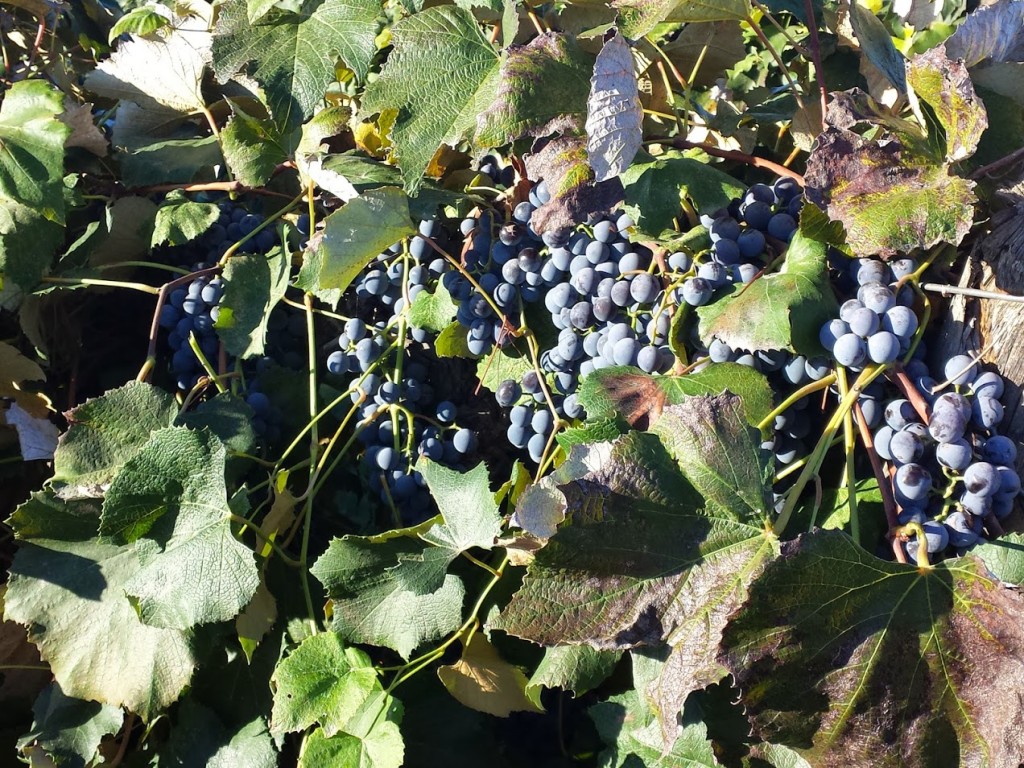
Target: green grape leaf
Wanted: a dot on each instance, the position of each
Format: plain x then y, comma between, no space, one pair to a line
172,501
638,17
32,148
253,285
663,535
630,729
500,365
648,183
852,660
484,681
107,431
891,192
140,21
452,342
393,593
470,515
946,86
394,590
68,588
180,220
575,668
253,148
593,430
28,242
355,235
69,730
783,310
228,417
542,90
372,740
322,682
1004,557
877,45
292,54
200,737
638,398
441,74
433,311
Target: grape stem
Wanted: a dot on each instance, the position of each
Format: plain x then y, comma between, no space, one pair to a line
729,154
899,377
904,532
884,487
850,443
974,293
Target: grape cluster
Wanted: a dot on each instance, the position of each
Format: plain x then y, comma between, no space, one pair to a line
952,471
879,324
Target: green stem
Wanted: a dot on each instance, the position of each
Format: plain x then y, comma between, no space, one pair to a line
800,394
87,281
850,444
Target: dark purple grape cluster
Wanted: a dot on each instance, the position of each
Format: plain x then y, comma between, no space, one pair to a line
953,471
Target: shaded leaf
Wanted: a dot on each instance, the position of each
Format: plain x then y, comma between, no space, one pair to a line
253,148
253,285
877,662
292,54
946,86
783,310
200,737
542,89
574,668
28,242
170,498
638,17
180,220
322,682
483,681
639,398
176,161
354,235
441,74
107,431
84,133
877,45
69,730
256,620
991,32
649,184
614,113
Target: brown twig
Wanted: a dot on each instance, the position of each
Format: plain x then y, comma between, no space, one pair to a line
1009,159
126,736
209,186
974,293
819,72
729,154
899,377
888,499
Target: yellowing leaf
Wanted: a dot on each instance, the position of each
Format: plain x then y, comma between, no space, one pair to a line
18,369
484,681
257,619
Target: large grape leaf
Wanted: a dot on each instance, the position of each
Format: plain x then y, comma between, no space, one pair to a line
663,534
69,730
68,588
292,54
893,191
989,33
783,310
614,113
542,89
394,590
162,71
856,661
946,86
171,500
200,737
107,431
650,181
322,682
441,74
372,739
